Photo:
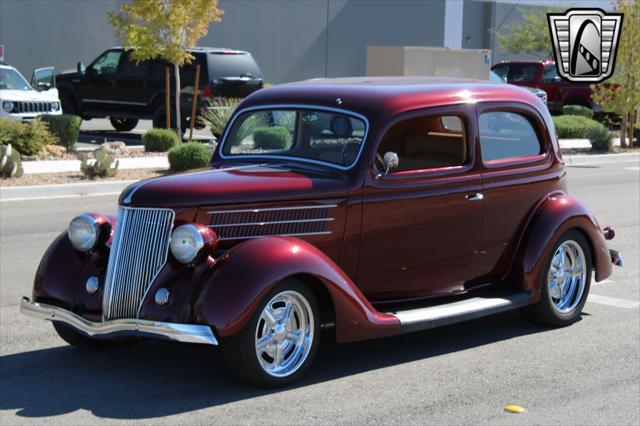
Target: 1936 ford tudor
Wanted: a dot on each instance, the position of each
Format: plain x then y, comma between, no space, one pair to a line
376,206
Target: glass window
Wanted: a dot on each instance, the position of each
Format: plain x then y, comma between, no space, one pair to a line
107,64
130,68
550,74
426,143
11,79
223,65
501,71
314,135
520,73
507,135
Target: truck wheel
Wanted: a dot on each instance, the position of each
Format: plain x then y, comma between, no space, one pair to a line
72,337
159,119
280,341
122,124
565,282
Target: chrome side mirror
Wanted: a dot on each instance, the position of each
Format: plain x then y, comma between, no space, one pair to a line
390,161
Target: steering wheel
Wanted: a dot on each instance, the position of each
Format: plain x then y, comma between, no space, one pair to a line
349,152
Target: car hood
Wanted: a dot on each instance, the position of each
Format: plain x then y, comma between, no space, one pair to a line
249,183
29,95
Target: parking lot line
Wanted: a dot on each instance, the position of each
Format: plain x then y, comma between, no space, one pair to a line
632,168
612,301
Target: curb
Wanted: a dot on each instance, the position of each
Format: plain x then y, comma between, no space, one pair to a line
585,159
70,190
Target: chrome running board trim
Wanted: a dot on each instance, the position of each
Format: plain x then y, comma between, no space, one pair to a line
187,333
451,313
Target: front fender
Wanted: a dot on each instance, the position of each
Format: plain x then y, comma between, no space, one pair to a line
556,215
246,273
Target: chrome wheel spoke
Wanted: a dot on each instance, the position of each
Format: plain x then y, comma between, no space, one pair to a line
567,276
284,334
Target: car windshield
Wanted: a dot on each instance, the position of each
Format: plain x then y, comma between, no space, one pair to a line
11,79
223,65
319,136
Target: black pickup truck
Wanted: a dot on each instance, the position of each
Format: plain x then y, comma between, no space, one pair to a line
115,86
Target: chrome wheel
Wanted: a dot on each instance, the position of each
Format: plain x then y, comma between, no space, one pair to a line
284,334
567,277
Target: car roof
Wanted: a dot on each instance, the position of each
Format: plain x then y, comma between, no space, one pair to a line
205,49
393,95
525,63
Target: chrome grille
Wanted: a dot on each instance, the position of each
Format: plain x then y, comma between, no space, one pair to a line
284,221
34,106
138,252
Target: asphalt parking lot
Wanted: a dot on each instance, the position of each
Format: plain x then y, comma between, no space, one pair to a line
588,373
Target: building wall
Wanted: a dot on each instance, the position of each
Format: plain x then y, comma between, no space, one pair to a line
291,40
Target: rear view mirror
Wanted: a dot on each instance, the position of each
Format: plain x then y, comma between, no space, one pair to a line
43,79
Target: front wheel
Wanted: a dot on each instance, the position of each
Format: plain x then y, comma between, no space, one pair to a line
565,282
280,341
122,124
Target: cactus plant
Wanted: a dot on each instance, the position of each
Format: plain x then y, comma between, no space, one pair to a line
100,167
10,162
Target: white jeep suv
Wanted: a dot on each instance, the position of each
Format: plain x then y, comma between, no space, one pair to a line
20,101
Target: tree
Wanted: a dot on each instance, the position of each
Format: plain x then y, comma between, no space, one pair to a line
164,29
620,94
531,35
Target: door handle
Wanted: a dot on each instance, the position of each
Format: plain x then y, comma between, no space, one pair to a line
475,197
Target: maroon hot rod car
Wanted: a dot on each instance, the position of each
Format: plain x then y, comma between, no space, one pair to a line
375,206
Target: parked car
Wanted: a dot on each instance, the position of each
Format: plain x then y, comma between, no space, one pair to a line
541,94
22,101
543,75
115,86
446,201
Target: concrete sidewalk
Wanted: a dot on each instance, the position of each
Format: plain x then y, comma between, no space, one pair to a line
60,166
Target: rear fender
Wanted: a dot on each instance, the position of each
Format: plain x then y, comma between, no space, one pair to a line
238,283
559,213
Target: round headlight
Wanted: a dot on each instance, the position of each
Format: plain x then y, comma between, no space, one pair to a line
186,242
83,232
7,106
55,106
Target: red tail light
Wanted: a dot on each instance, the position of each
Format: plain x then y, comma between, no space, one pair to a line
207,91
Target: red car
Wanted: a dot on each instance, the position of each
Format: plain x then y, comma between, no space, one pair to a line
543,75
375,206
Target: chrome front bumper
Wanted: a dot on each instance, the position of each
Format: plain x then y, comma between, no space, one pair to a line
187,333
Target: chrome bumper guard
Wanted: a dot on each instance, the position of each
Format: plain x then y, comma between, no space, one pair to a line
186,333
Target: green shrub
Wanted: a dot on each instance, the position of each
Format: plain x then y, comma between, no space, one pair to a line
600,138
103,166
160,140
64,127
190,155
573,126
580,110
27,138
277,137
217,114
10,162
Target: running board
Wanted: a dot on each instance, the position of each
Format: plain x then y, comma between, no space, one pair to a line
451,313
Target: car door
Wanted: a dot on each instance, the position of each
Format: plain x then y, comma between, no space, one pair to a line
420,222
132,82
98,87
518,170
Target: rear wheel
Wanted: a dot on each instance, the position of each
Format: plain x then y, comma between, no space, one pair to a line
565,283
122,124
159,119
280,341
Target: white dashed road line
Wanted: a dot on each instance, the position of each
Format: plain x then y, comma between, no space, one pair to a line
612,301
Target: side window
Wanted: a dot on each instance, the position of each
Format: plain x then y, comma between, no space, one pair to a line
426,143
507,135
550,75
502,71
129,67
521,73
107,64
